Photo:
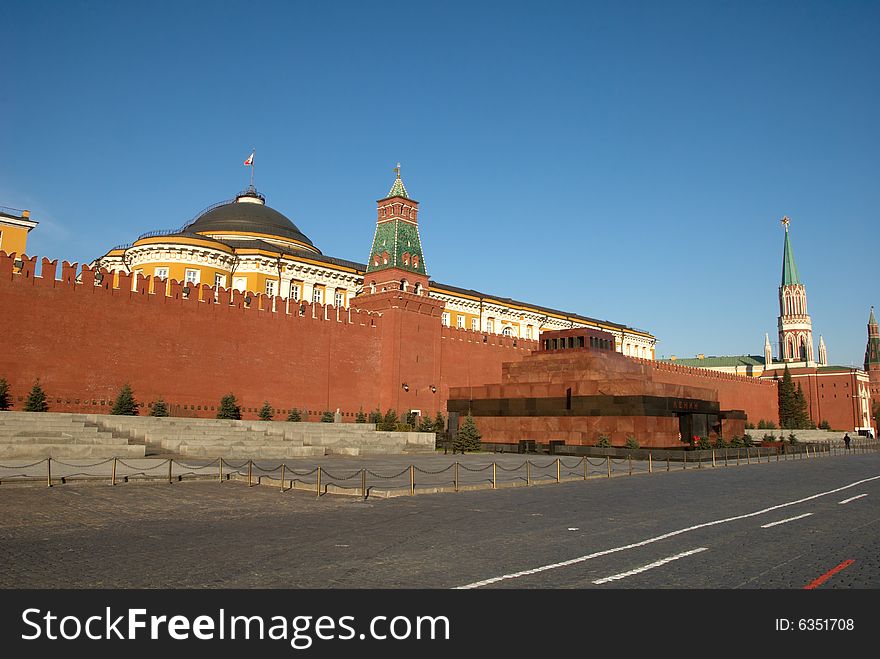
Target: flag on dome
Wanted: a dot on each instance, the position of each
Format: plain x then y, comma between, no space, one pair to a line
250,160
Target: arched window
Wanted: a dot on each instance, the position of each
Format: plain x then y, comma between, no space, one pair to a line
417,288
372,287
415,261
507,331
404,284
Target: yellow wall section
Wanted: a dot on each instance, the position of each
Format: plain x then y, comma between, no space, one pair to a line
178,271
13,239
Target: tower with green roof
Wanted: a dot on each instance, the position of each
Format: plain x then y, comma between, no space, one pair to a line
872,356
795,326
396,260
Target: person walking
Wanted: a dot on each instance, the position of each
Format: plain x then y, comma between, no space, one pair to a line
846,441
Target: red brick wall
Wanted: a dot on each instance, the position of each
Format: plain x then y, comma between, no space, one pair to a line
85,341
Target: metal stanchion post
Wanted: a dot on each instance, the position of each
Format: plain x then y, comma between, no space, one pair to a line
684,465
557,470
650,464
364,482
494,477
528,472
725,457
113,473
282,476
608,464
737,457
584,459
250,472
748,456
170,465
713,458
221,470
48,472
318,484
667,462
412,479
630,460
456,477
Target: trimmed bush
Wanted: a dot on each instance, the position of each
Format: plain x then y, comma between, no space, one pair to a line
125,404
266,412
229,408
5,398
160,408
36,400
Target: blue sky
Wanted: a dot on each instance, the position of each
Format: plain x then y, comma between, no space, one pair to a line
625,160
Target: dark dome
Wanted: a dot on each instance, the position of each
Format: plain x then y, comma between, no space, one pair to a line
252,217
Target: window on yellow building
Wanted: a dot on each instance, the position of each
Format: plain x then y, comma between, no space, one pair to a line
318,295
192,276
460,322
475,324
219,281
445,319
339,299
270,287
160,273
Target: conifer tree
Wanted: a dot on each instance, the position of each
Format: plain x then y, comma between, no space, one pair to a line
360,417
376,416
425,425
266,412
327,417
802,414
468,436
439,422
787,403
160,408
229,408
125,404
5,398
294,415
389,421
36,400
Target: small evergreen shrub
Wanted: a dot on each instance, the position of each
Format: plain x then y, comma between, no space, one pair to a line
327,417
631,442
360,417
425,425
5,398
750,426
468,436
824,425
376,416
229,408
603,442
266,412
792,438
736,442
125,404
703,443
36,400
747,440
160,408
388,422
294,415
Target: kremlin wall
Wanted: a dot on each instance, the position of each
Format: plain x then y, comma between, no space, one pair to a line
524,371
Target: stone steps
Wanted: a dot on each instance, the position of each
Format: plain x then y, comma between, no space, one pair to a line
62,451
251,452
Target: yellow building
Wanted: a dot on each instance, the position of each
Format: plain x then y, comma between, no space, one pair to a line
246,245
15,225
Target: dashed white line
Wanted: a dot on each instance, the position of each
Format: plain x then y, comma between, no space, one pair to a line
853,498
649,566
784,521
581,559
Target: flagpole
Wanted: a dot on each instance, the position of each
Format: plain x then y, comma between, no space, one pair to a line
254,152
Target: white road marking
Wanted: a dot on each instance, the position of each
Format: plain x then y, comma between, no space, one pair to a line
784,521
573,528
605,552
853,498
662,561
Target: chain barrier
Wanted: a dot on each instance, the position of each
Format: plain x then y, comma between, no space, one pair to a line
466,468
32,464
341,478
379,476
503,468
65,464
434,473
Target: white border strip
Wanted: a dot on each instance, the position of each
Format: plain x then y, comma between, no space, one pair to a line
581,559
853,498
785,521
662,561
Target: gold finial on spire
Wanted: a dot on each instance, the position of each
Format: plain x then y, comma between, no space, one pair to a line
786,220
397,170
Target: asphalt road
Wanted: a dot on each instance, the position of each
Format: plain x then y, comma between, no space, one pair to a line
681,529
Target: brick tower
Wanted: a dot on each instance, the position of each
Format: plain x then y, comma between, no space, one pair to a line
396,286
872,356
795,326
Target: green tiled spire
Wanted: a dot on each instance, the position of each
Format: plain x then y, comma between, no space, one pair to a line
789,268
398,189
872,351
871,319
